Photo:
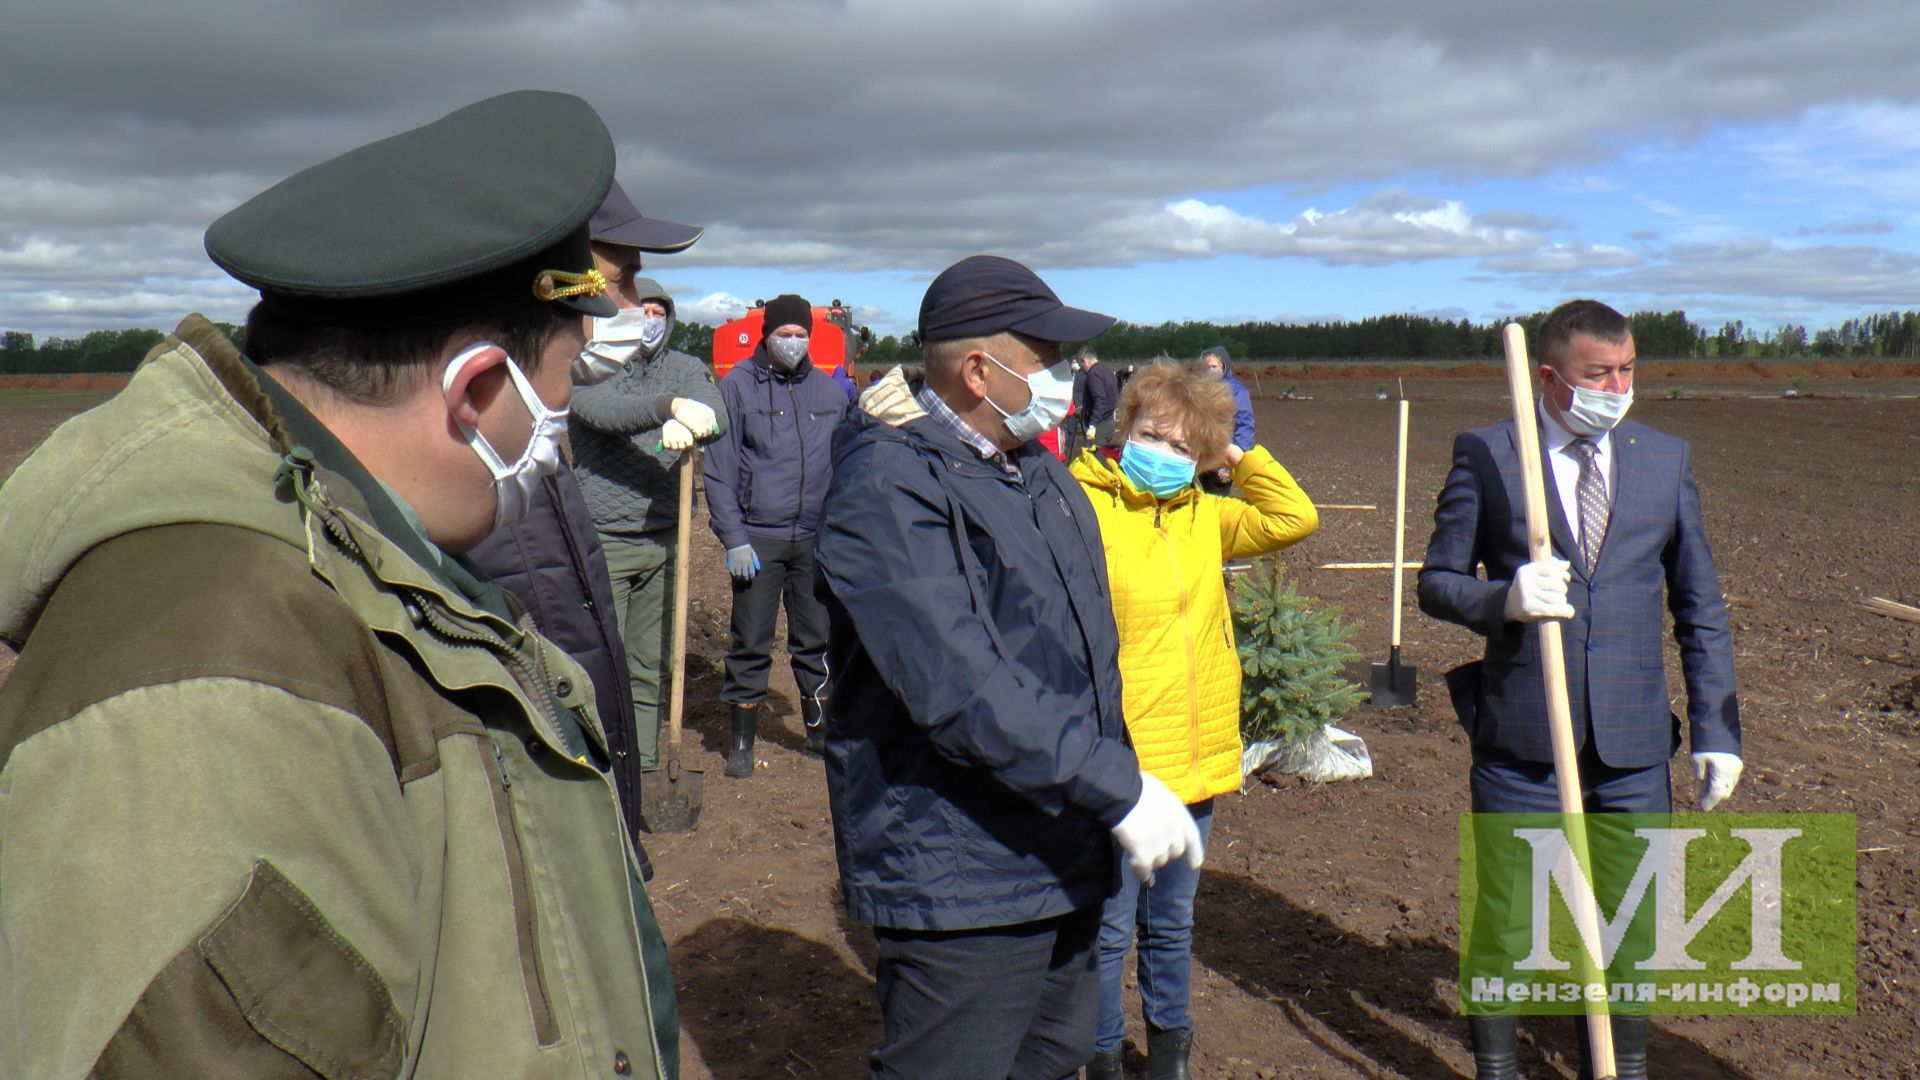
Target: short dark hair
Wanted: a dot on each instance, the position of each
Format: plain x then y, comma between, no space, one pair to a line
373,367
1589,317
941,358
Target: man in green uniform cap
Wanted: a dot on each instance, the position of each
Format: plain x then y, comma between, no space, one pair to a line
286,789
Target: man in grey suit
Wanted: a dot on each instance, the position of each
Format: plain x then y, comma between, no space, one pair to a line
1625,519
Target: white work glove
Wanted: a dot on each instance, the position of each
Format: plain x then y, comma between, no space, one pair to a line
1539,591
675,436
1158,830
699,419
1718,772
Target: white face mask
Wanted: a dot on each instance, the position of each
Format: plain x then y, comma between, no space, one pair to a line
787,351
653,333
1051,392
1594,412
613,343
514,485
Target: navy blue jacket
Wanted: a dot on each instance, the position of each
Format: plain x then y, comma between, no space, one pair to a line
1242,400
1101,393
976,754
767,472
553,564
1654,560
845,382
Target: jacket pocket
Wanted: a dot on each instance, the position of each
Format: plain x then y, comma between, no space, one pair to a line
525,925
268,991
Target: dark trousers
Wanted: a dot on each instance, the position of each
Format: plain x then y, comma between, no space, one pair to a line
1503,786
1006,1003
786,571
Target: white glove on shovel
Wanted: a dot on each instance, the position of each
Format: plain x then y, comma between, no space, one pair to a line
675,435
1718,772
1158,830
1539,591
699,419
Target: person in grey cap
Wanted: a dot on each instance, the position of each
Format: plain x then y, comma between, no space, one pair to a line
286,788
634,427
978,772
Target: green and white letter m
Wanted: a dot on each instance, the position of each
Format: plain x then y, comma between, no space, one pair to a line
1696,913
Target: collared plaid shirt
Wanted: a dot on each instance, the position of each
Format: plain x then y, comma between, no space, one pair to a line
965,432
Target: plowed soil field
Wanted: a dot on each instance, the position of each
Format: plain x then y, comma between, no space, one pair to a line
1327,914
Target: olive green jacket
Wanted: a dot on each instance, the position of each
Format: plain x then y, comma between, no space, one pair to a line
276,798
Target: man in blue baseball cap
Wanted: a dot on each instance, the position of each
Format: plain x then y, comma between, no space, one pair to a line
977,763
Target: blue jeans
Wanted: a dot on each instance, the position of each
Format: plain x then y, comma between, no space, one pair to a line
1162,915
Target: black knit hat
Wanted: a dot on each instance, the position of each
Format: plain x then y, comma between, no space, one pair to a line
786,310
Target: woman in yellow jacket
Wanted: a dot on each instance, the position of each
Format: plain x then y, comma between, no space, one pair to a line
1165,541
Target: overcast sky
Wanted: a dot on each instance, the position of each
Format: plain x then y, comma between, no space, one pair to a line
1163,160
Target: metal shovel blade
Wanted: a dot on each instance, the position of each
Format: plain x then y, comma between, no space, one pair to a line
1394,682
670,797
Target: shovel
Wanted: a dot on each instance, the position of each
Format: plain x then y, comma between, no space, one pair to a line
1393,683
670,793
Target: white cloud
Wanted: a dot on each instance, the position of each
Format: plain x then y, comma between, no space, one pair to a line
712,309
898,137
1387,227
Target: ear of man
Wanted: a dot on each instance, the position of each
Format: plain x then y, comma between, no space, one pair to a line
473,389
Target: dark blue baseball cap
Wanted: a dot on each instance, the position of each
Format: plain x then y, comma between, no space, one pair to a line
982,295
618,221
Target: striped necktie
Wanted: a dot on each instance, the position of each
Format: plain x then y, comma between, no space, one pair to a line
1591,494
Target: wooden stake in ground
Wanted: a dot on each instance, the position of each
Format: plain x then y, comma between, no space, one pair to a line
1566,766
1880,605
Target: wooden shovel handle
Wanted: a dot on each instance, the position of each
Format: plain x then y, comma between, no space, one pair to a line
1400,526
682,553
1566,764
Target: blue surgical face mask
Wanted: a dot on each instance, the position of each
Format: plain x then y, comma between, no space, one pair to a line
1156,471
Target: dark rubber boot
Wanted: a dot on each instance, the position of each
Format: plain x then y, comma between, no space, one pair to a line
1630,1046
811,710
740,751
1495,1047
1105,1066
1167,1054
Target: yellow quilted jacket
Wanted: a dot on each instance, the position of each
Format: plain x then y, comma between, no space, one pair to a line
1179,671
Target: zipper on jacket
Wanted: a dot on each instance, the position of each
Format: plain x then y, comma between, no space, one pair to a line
422,603
799,436
422,607
526,925
1186,631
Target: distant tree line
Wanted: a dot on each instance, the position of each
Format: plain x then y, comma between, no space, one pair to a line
1658,335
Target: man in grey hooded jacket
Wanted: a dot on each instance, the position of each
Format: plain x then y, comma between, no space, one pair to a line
628,436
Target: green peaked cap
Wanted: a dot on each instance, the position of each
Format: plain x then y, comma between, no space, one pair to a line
480,212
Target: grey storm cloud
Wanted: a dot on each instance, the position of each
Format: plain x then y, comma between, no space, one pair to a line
1845,274
863,135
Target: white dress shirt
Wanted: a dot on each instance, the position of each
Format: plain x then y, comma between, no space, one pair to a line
1558,442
